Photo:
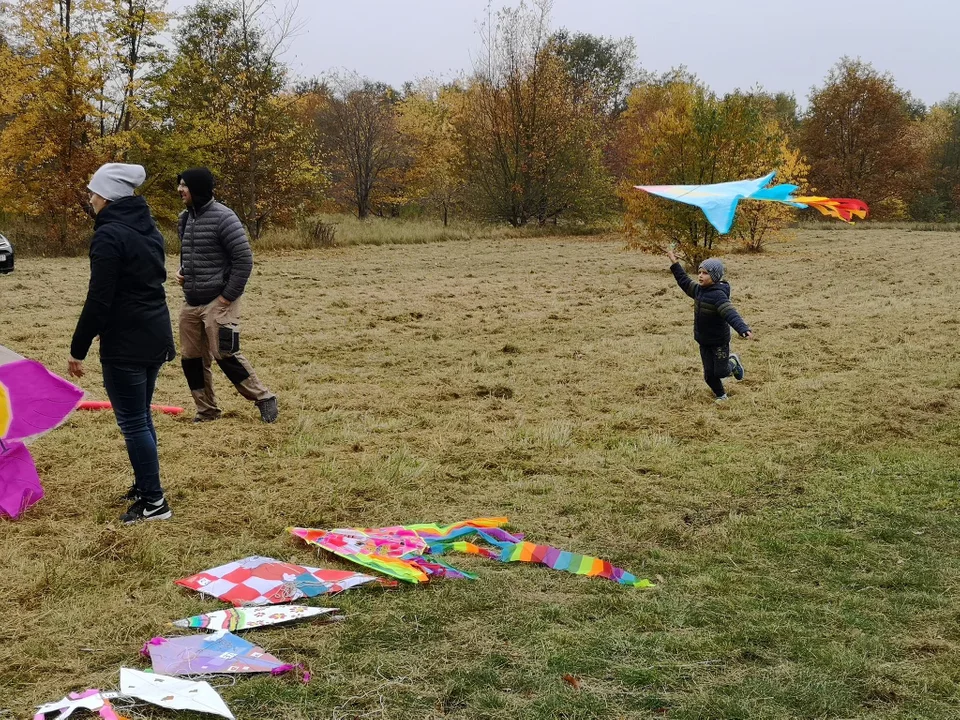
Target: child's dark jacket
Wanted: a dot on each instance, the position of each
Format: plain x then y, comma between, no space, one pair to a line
713,313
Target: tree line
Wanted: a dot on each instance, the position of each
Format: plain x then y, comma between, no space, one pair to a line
549,126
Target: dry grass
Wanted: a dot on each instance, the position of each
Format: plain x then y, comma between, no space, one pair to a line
805,535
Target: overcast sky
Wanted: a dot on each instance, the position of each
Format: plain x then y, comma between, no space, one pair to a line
727,43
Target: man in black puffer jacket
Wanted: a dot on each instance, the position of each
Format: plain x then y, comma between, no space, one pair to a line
713,315
215,264
127,307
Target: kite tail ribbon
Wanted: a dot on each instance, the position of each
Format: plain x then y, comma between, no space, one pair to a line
843,208
297,669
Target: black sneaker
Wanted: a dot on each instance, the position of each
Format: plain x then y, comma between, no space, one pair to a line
146,510
268,409
131,495
736,367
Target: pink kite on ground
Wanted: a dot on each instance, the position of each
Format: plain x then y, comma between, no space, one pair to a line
33,401
264,581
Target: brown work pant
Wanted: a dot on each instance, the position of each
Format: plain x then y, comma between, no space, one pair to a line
212,332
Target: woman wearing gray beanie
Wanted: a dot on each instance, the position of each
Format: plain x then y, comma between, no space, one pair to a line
126,307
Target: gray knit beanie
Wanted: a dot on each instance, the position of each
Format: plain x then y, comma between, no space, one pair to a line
714,269
117,180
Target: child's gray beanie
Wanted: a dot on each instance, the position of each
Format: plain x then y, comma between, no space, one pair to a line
117,180
714,269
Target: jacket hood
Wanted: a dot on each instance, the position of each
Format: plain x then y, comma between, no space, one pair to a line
130,211
200,182
720,287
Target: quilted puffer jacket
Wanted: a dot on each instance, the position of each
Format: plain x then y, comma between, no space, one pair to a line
215,255
713,313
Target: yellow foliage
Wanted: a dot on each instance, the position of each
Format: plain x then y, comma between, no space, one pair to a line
48,146
676,132
435,171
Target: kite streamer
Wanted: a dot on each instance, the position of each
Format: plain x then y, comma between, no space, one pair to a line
570,562
843,208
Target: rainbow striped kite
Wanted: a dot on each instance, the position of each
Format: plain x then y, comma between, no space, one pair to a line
399,550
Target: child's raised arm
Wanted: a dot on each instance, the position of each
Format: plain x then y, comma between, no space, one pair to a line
685,282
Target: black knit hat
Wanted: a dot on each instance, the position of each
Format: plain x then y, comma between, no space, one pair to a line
200,183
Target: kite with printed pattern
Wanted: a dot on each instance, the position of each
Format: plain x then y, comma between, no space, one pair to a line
244,618
719,200
257,580
33,401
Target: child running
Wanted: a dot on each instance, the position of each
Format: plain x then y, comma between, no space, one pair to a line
713,315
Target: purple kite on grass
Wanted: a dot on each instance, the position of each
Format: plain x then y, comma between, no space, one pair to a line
219,652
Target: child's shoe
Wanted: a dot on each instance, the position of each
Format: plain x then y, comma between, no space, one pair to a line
721,399
736,367
146,510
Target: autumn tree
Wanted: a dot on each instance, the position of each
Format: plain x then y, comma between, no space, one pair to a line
532,152
228,108
135,53
939,195
858,136
364,147
435,173
602,70
675,131
50,93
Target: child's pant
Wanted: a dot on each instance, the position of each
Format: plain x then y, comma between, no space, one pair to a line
716,365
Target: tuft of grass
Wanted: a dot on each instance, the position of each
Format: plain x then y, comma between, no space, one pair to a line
804,538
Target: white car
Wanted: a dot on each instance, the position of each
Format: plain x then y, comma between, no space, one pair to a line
6,256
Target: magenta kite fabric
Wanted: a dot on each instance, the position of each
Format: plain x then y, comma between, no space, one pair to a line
19,483
33,400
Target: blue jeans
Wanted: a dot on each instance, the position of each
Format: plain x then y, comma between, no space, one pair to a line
130,389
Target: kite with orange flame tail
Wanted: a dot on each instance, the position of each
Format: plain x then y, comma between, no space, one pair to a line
719,200
843,208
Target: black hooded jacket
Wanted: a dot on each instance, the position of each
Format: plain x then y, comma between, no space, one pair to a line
126,302
713,313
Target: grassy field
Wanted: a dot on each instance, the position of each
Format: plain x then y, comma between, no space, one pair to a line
804,537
